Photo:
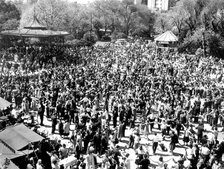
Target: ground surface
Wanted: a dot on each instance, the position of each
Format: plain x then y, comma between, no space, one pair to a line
123,144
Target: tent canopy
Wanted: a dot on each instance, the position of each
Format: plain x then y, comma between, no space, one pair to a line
6,162
4,103
168,36
7,152
19,136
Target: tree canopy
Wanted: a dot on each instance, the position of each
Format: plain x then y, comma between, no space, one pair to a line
198,23
9,15
115,15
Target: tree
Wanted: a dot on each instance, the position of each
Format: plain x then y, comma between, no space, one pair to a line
9,15
106,12
162,23
172,3
128,13
177,20
213,16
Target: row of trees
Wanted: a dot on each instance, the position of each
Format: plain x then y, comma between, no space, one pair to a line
121,17
197,23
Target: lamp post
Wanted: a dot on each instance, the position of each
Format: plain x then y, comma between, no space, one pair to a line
204,43
203,36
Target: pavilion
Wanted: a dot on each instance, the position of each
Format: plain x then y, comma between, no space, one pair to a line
166,40
34,30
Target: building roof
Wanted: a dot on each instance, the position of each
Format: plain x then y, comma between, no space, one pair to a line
168,36
34,33
35,24
34,29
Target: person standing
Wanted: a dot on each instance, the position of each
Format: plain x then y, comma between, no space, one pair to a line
91,160
67,128
155,142
151,121
54,123
200,131
61,128
97,142
104,144
115,115
63,152
39,164
121,130
187,134
41,113
137,139
146,129
131,140
78,150
144,163
173,142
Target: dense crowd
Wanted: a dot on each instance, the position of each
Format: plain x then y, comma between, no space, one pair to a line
120,87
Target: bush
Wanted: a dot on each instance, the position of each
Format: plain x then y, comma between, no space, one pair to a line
106,38
215,44
79,43
121,35
118,35
90,37
199,52
191,43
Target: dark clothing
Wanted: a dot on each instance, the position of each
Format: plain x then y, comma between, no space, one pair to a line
200,132
54,123
144,163
41,114
154,147
60,128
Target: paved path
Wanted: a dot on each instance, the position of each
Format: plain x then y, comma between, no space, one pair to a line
180,150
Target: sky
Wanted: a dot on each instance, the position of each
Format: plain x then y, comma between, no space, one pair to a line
81,1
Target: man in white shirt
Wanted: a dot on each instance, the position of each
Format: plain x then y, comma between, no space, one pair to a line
155,142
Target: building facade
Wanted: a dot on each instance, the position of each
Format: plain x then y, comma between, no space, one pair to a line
162,5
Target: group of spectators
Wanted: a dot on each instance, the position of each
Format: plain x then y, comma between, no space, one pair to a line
120,87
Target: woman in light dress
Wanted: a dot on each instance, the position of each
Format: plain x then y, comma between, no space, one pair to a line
146,129
66,128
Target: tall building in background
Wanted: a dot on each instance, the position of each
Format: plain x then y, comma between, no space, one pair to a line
162,5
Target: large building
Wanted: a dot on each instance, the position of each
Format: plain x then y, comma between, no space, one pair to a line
162,5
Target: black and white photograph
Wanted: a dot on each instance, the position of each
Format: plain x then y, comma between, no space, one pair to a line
111,84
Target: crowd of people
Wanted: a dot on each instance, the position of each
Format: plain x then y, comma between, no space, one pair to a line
161,97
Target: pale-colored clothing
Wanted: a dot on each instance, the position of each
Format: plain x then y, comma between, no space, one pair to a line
67,128
90,161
